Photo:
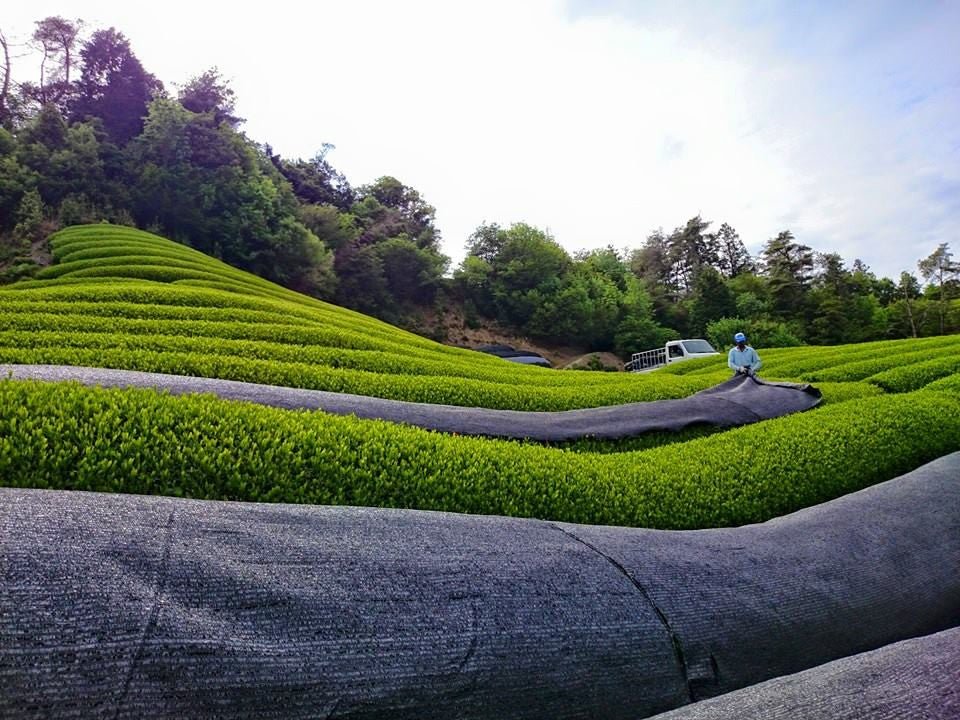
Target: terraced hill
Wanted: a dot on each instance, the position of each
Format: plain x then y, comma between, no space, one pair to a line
121,298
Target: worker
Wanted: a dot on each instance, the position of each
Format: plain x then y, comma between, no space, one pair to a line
743,359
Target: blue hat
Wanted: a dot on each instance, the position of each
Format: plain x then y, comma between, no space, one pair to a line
739,337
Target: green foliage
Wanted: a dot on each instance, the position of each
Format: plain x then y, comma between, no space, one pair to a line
584,309
29,218
638,334
205,183
524,279
65,436
18,270
916,375
393,209
114,86
123,298
527,269
711,301
760,333
110,145
333,228
241,327
411,273
209,93
948,384
789,269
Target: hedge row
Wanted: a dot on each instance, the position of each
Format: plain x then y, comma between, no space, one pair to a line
200,316
328,346
370,360
139,441
127,261
413,388
949,384
916,375
120,248
149,293
89,236
50,310
813,363
884,360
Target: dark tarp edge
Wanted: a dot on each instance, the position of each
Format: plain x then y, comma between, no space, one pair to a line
738,401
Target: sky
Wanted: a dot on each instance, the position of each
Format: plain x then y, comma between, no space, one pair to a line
599,121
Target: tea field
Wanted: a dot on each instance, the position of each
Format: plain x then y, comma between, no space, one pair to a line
121,298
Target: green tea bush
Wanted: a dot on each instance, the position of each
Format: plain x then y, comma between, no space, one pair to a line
806,361
852,371
72,437
916,375
949,384
412,388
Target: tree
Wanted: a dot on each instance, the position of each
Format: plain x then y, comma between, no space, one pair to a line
711,301
607,262
412,273
527,268
584,309
637,329
938,269
651,264
29,218
788,267
760,333
211,93
391,208
472,279
6,114
56,38
486,241
335,229
316,181
113,86
361,281
207,185
732,256
15,180
689,250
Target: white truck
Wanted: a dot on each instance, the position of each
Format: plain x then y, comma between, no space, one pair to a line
673,351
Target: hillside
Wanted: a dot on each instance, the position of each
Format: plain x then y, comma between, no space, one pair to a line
125,299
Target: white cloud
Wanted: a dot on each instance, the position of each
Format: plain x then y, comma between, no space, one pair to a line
601,126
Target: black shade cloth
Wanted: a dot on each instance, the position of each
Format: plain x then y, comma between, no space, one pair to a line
917,678
127,606
738,401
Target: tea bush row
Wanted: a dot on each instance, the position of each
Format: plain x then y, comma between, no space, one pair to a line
147,294
852,371
28,334
816,363
916,375
138,441
413,388
309,344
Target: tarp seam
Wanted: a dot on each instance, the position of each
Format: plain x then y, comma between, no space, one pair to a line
152,616
674,638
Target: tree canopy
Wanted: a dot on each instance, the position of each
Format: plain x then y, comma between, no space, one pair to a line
93,136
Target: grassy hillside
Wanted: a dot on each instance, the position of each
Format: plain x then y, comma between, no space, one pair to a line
121,298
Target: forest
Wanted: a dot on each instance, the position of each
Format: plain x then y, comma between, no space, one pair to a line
93,136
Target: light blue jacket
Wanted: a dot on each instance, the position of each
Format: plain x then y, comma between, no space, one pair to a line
747,357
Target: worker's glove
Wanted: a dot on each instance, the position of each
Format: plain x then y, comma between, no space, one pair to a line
742,370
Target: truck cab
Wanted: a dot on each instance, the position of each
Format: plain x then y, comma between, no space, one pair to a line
673,351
